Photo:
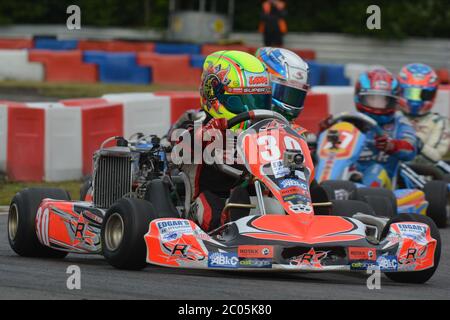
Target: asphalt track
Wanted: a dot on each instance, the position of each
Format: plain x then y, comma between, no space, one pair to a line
24,278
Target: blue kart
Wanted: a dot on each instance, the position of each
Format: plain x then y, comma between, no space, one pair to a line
411,191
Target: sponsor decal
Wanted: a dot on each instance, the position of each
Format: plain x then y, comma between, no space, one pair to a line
288,183
311,259
413,256
255,252
223,260
366,254
387,263
255,263
301,208
257,79
171,236
278,169
364,265
292,191
174,226
412,228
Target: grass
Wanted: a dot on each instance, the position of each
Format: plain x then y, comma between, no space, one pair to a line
80,90
9,189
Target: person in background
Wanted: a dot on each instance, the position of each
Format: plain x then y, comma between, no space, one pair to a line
273,25
418,89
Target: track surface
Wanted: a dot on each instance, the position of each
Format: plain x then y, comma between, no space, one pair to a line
23,278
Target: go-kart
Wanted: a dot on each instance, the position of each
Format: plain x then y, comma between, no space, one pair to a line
342,145
275,229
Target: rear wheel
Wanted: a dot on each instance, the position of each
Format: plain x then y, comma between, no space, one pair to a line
124,227
383,201
436,193
419,276
339,190
349,208
22,222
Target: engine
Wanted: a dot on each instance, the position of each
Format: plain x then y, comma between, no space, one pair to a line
126,169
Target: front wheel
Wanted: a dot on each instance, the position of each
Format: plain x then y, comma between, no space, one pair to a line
123,230
417,277
436,193
22,222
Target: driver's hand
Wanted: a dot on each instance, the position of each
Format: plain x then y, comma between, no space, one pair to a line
219,124
384,143
325,124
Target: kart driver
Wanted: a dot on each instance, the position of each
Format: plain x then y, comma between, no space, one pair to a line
418,89
376,96
232,82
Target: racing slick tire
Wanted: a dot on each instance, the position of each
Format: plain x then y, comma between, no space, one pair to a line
416,277
383,201
22,222
446,178
436,193
85,188
123,230
348,208
339,189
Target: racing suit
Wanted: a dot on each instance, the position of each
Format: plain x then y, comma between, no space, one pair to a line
433,132
379,167
211,187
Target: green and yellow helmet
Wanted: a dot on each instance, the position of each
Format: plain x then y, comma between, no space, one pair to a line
234,82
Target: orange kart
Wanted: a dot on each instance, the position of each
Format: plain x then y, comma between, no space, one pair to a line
276,228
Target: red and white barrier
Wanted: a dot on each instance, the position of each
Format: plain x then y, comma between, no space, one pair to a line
14,65
143,112
3,136
56,141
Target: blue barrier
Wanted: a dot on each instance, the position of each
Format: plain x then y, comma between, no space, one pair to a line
118,67
315,73
334,75
197,61
53,44
173,48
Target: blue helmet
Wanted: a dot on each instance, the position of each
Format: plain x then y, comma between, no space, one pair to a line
289,78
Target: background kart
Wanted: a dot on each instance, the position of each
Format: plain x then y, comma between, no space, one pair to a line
339,149
276,229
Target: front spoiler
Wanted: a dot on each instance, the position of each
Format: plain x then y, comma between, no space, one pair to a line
408,247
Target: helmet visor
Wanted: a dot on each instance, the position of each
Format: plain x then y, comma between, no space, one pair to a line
419,94
238,103
379,102
290,96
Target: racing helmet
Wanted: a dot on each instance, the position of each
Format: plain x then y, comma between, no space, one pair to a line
418,89
376,95
289,78
234,82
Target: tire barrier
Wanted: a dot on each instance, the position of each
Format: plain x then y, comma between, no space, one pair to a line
64,66
54,44
16,44
14,65
118,67
116,46
170,69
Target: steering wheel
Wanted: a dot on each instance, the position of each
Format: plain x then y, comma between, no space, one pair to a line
361,121
256,116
